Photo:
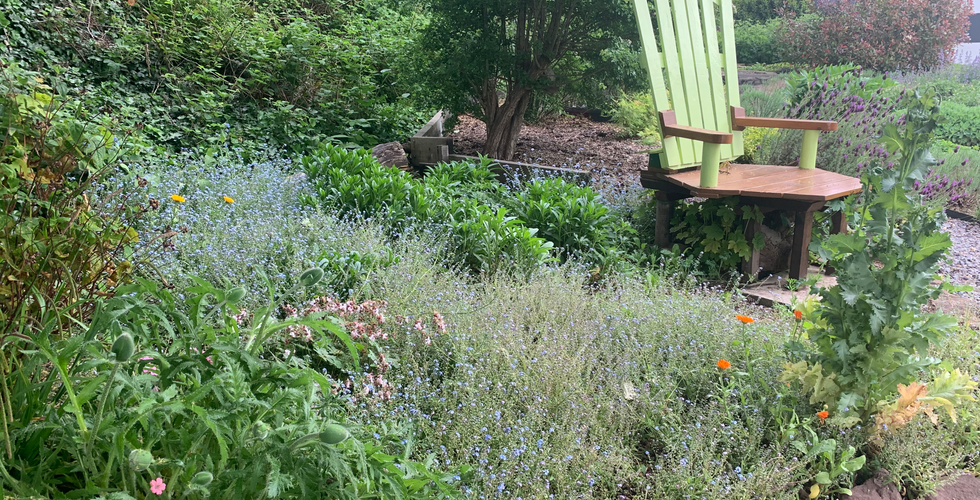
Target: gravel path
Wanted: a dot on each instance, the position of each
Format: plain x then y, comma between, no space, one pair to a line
964,267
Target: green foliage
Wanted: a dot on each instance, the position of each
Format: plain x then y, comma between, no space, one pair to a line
490,225
636,116
764,10
57,250
715,230
490,240
574,218
962,124
757,43
829,464
205,404
188,73
872,334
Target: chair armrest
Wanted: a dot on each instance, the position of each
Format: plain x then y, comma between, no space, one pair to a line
740,121
670,128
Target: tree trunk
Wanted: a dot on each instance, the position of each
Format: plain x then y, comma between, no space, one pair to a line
504,122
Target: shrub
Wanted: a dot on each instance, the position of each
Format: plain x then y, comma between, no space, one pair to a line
59,247
884,35
760,11
860,105
636,116
715,230
962,124
757,42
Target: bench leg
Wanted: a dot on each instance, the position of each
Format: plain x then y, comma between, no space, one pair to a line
838,225
750,266
799,260
665,210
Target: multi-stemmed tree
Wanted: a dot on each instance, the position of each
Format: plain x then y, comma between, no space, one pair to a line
490,57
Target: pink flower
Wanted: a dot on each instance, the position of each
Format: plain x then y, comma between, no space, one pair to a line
157,486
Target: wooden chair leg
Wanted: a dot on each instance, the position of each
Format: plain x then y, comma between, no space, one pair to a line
838,224
750,266
799,260
665,210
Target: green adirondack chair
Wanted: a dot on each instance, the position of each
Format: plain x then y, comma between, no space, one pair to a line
694,77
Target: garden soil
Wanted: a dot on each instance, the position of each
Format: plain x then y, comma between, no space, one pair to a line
566,142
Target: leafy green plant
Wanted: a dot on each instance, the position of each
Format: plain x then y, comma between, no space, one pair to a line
716,229
204,406
487,240
962,124
830,466
636,116
872,333
574,218
764,10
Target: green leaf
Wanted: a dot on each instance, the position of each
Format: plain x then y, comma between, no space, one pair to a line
854,464
822,478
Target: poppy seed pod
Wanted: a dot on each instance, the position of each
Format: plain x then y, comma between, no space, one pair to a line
123,347
140,459
311,276
202,479
235,295
334,434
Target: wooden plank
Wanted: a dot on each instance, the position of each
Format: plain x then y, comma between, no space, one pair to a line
675,81
669,127
785,123
771,182
731,67
688,71
654,63
720,104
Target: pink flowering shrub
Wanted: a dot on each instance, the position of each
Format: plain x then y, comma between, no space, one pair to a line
877,34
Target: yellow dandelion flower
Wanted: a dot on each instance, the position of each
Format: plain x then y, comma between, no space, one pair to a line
228,199
178,198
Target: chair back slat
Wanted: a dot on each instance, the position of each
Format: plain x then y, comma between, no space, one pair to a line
717,81
688,70
654,64
731,67
675,82
705,102
686,75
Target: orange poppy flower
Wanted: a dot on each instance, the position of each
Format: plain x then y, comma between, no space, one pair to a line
744,319
823,415
798,314
723,364
229,199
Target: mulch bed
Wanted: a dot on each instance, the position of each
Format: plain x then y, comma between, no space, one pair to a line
567,142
